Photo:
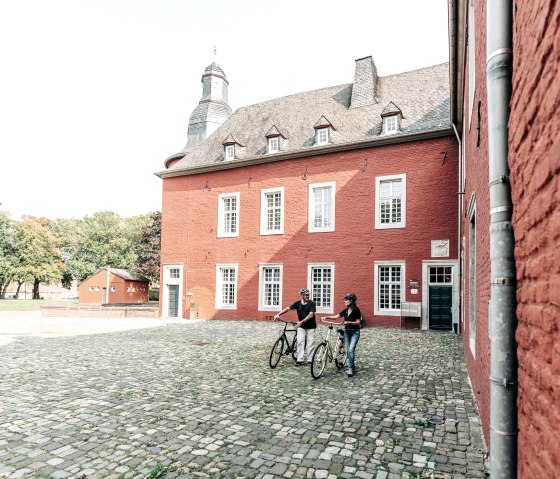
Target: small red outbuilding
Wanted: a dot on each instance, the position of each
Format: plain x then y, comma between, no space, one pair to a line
113,285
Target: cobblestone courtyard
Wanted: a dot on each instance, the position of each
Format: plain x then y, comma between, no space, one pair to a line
198,399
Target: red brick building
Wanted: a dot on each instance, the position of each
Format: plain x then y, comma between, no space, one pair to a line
504,92
114,286
347,188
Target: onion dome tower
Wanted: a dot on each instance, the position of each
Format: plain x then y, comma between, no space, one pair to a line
213,109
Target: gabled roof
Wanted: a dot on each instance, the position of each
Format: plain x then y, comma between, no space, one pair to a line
323,123
391,109
128,274
423,94
230,140
274,132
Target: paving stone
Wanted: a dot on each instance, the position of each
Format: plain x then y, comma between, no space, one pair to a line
107,412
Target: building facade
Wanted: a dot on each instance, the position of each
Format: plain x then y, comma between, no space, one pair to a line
504,92
112,286
347,188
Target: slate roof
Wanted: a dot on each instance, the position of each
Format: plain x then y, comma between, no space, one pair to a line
128,275
421,95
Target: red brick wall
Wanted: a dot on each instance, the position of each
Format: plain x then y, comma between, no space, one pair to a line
534,150
121,295
476,182
190,216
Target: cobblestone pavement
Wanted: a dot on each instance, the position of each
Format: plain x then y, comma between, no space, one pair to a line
199,400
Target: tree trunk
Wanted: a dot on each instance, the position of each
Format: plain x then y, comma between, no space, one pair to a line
36,283
3,288
19,283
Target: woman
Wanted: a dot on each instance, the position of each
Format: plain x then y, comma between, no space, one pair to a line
352,324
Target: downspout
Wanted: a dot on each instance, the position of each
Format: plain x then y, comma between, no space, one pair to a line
460,194
503,321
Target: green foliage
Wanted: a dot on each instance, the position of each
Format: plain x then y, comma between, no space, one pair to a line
153,294
37,251
149,251
103,239
8,257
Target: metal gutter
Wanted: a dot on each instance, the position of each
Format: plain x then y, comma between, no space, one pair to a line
503,302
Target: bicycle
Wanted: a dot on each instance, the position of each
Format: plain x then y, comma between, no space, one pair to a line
326,350
283,346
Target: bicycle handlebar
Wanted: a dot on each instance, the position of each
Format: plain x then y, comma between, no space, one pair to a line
283,321
328,321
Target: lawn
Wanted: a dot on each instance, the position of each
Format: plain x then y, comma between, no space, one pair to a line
31,304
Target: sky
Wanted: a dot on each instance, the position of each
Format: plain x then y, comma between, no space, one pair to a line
96,94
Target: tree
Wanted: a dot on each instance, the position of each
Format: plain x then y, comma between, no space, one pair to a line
8,258
37,250
148,260
103,239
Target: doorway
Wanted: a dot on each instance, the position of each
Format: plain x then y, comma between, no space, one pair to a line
440,312
173,308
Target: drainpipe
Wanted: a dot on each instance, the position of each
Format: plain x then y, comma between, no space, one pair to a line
503,321
460,194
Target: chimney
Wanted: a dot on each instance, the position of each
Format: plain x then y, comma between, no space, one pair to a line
365,83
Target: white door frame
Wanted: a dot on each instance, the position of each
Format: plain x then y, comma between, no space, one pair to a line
167,280
425,290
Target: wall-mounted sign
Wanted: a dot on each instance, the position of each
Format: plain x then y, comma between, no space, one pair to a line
440,248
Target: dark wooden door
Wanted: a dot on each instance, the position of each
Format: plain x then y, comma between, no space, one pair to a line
173,308
441,301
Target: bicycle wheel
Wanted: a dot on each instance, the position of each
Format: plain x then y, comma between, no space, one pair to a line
341,356
276,352
294,348
319,360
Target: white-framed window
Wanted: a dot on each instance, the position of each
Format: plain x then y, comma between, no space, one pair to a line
91,288
229,152
228,215
320,278
389,277
97,288
272,211
390,201
322,136
128,289
390,124
226,286
321,207
174,273
270,287
113,289
273,144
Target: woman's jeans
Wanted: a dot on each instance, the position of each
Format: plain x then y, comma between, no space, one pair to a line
351,337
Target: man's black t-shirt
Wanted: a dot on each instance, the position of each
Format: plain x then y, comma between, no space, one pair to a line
303,311
355,315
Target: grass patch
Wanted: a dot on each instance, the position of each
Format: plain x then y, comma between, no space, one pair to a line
32,304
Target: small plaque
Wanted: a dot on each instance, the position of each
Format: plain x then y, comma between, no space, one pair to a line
440,248
413,291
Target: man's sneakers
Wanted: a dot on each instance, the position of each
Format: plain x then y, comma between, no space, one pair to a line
350,372
300,363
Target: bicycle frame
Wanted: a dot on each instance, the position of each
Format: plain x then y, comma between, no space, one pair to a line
327,351
283,345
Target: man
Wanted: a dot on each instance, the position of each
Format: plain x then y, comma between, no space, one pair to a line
306,325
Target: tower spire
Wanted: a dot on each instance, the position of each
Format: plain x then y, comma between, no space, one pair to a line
213,109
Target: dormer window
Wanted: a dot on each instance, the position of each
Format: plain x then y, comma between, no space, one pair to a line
391,124
323,129
322,136
273,144
229,152
391,115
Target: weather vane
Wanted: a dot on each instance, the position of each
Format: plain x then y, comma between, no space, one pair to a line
214,52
